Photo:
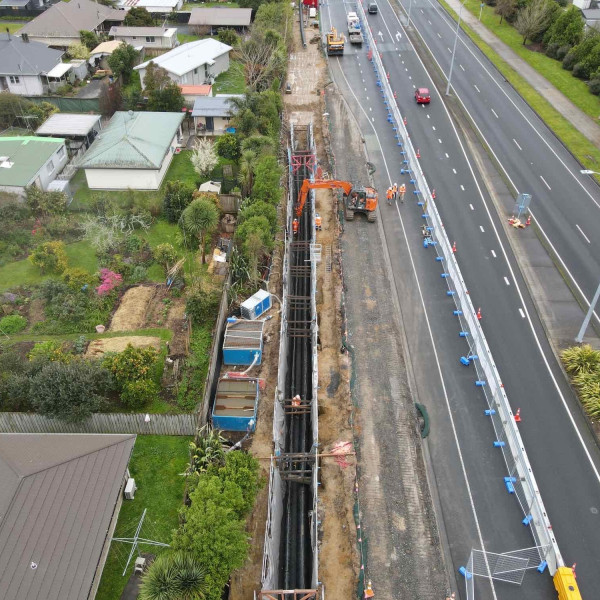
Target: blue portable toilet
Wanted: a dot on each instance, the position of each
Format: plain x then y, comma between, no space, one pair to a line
235,404
243,343
256,305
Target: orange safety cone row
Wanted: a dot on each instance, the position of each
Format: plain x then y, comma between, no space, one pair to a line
418,153
433,193
453,246
479,313
518,416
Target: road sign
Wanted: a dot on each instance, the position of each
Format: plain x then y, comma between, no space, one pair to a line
522,204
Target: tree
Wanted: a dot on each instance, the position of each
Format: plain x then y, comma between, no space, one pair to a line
167,99
506,9
174,576
206,450
204,158
263,59
229,37
43,203
78,50
110,99
267,180
533,19
200,219
132,364
246,172
138,17
259,208
122,61
254,237
70,392
228,146
17,111
49,257
89,39
567,29
156,78
178,195
201,302
259,144
165,255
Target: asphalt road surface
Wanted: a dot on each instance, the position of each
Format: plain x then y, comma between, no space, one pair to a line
476,511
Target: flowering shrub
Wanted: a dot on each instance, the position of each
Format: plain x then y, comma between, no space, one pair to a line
110,280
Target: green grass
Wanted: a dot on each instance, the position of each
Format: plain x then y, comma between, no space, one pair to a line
575,141
12,27
181,168
230,81
82,255
184,38
155,465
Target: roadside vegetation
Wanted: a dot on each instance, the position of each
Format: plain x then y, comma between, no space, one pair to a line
582,363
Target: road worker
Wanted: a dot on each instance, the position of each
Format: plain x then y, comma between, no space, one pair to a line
318,222
402,191
389,195
296,400
295,226
395,192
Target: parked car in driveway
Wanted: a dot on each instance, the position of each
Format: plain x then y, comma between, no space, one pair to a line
422,96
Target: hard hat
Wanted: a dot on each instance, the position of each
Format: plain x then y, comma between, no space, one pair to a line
396,184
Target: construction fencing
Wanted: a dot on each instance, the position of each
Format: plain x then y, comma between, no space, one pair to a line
520,480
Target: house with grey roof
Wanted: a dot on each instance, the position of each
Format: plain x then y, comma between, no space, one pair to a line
59,26
24,66
133,151
59,501
29,160
212,114
194,63
163,38
79,131
216,17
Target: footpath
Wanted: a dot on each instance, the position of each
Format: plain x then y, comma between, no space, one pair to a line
584,124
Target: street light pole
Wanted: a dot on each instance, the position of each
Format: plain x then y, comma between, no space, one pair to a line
481,9
588,317
454,49
409,8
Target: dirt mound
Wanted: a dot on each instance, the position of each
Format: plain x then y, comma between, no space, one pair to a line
117,344
133,309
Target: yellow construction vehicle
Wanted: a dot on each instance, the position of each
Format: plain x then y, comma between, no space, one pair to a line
335,42
359,199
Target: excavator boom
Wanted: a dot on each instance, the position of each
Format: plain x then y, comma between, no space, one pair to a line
331,184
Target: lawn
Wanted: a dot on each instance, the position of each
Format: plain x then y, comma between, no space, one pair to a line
156,464
12,27
184,38
575,141
230,81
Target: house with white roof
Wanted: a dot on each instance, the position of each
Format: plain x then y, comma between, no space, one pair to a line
195,63
133,151
146,37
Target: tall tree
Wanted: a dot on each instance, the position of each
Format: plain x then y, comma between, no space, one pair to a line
533,19
167,99
122,61
138,17
246,172
204,157
200,219
506,9
89,39
156,78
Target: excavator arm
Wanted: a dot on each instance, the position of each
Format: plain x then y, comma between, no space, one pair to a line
331,184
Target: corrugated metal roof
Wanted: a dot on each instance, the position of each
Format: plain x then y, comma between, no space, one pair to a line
196,90
216,106
106,47
15,3
26,58
57,499
68,124
24,157
142,31
189,56
59,70
136,140
236,17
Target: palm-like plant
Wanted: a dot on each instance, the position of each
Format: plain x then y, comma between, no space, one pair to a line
206,449
174,576
581,359
246,172
199,219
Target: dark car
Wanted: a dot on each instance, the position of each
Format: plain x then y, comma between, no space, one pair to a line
372,8
422,96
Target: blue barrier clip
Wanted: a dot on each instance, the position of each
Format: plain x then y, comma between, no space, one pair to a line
489,412
474,357
465,573
450,293
480,383
508,482
542,566
429,228
399,144
425,216
444,275
463,333
527,520
413,181
394,128
465,361
404,162
457,313
403,154
439,258
416,191
425,242
499,444
420,203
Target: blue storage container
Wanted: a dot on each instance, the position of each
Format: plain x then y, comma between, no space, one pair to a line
243,343
235,405
256,305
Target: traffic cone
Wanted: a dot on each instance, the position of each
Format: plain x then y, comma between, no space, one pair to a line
369,593
518,416
573,569
404,120
479,313
395,95
418,153
528,222
453,246
433,193
388,75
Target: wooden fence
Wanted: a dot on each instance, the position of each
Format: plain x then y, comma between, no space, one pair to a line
12,422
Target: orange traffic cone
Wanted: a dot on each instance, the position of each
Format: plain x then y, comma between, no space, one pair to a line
433,193
418,153
479,313
518,416
395,95
404,120
369,593
528,222
388,75
573,569
453,246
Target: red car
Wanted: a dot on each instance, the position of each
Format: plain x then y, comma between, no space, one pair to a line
422,96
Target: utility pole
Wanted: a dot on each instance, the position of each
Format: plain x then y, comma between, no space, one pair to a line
454,49
588,316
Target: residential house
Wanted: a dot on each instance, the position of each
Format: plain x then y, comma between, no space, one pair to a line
24,66
152,6
191,92
146,37
60,25
59,502
212,114
208,19
591,17
133,151
99,55
79,131
29,160
194,63
17,7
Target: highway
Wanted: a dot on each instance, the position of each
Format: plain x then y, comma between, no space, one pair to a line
476,510
566,204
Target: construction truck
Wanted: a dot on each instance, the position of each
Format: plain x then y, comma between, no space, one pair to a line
334,42
356,199
354,32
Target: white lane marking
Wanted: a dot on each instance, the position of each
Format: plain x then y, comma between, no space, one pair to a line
461,66
583,234
462,187
454,171
367,97
421,11
446,155
482,229
493,254
449,50
521,313
545,182
494,113
530,322
428,116
370,109
429,21
361,72
410,77
439,36
471,207
440,141
517,143
506,281
478,91
433,127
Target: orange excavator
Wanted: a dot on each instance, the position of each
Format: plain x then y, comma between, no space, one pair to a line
359,199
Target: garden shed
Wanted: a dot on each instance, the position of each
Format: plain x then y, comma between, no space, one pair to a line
235,405
243,344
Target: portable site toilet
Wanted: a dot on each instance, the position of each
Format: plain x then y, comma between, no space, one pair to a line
243,343
256,305
235,405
